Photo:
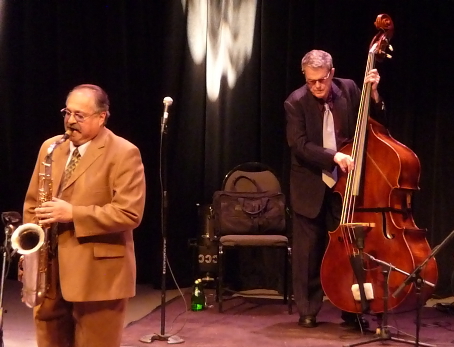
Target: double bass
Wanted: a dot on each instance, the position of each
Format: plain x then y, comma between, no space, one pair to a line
376,223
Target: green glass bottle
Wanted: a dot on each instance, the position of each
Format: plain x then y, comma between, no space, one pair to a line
198,296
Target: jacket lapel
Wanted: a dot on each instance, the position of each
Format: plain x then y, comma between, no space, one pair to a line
340,104
315,120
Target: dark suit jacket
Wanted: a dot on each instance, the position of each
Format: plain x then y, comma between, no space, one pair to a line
107,190
305,138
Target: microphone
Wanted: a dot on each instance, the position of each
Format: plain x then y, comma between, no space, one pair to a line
167,102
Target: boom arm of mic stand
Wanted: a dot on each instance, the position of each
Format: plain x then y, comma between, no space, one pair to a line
415,274
391,266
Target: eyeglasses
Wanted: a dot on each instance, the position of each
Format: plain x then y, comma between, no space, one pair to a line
312,83
78,116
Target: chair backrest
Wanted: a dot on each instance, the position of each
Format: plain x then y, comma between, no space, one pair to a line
262,174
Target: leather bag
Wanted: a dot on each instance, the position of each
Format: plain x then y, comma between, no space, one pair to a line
250,213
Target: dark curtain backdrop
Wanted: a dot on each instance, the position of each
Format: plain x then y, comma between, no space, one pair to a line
141,51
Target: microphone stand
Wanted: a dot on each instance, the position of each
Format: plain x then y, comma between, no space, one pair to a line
416,278
10,219
5,258
171,339
385,335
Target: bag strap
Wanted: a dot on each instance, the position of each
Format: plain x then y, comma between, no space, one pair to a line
233,186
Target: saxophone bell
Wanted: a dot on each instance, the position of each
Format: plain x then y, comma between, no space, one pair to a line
27,238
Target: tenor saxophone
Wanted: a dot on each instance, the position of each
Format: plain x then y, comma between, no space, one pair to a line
34,240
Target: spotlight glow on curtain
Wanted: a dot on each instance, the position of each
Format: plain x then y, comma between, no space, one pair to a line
223,32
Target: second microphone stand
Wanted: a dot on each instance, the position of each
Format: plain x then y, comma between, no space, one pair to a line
385,334
10,220
415,277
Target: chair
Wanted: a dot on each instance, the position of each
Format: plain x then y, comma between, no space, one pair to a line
264,176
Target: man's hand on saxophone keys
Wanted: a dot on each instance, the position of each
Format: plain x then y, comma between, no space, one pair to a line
55,211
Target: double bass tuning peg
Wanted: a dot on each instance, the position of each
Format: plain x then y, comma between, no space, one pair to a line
389,55
383,54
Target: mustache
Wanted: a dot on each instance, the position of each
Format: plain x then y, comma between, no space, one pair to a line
72,127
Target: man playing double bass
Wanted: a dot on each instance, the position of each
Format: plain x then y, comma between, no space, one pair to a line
321,119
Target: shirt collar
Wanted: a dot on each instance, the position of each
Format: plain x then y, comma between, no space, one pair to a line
329,100
82,148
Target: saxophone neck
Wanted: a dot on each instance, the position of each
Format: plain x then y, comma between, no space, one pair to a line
65,136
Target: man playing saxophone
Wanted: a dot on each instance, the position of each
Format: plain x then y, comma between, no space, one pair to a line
98,199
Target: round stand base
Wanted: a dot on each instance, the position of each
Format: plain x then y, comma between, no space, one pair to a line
171,339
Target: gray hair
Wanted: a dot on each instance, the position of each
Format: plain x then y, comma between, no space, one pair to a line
317,59
101,98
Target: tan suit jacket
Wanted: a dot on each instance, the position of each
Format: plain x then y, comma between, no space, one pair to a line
107,190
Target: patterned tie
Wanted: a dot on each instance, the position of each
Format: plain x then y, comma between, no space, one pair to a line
75,157
329,141
71,167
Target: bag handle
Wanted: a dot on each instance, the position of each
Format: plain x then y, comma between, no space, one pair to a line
261,207
233,186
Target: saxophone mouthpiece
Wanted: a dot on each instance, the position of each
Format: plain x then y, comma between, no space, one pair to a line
68,132
51,148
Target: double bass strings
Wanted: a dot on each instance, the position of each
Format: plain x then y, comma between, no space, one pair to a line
353,177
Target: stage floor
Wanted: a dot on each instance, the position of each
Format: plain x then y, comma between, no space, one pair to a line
246,322
265,322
